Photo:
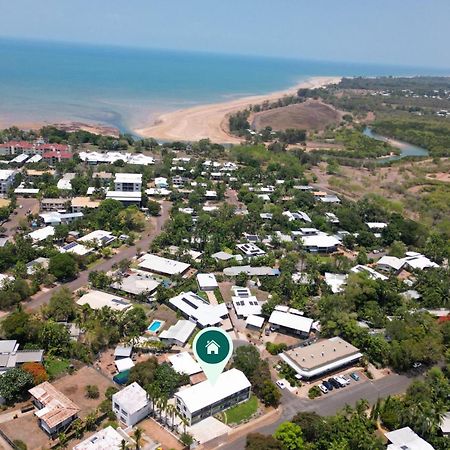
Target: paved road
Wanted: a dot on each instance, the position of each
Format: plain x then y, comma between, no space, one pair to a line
42,298
329,404
13,222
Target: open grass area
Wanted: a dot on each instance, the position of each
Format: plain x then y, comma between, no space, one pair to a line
239,413
56,367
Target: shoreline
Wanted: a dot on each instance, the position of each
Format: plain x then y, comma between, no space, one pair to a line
210,120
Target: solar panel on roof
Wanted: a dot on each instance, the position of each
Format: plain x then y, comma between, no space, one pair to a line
69,246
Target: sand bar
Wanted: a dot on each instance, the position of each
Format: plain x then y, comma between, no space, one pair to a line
211,121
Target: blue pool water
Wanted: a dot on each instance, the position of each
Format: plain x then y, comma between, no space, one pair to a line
154,326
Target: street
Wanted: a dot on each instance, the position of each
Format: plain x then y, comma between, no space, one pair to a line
41,298
328,404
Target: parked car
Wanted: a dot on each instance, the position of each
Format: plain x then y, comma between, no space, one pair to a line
355,376
346,378
229,306
323,388
281,384
341,381
267,332
328,385
334,383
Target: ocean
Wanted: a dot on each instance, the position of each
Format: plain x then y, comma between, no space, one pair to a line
126,88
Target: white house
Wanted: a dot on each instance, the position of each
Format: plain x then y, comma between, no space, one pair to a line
320,243
178,334
406,439
131,404
207,281
41,234
106,439
184,363
162,266
245,304
290,320
204,399
100,238
98,300
250,250
126,197
161,183
6,180
128,182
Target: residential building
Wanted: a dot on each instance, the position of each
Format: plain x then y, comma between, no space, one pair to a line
136,283
178,334
38,262
126,197
262,271
6,180
55,218
390,264
371,273
197,310
245,304
184,363
207,281
336,281
128,182
320,243
290,320
254,322
80,203
163,266
106,439
322,357
406,439
98,300
161,183
445,424
204,399
54,157
99,238
11,356
41,234
54,204
131,404
55,411
418,261
250,250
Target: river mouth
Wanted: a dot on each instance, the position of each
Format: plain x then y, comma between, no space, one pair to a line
406,149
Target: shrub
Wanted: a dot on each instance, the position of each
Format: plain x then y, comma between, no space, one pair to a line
92,391
314,392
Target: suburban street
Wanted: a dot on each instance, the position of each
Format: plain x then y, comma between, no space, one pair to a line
157,224
327,404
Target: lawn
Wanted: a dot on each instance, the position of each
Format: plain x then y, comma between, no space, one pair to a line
239,413
55,366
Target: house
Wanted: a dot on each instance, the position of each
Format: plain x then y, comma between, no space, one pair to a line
55,411
332,218
98,238
224,256
417,261
376,226
290,320
128,182
322,357
38,262
163,266
6,180
184,363
254,322
406,439
320,243
122,351
299,215
54,157
161,183
20,159
136,283
178,334
390,264
81,203
11,356
197,310
98,300
371,273
329,199
207,282
131,405
204,399
64,184
54,204
245,304
212,348
336,281
55,218
106,439
41,234
262,271
250,250
126,197
76,249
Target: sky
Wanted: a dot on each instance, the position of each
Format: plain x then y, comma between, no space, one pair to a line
399,32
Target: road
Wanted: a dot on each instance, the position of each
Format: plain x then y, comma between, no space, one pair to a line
42,297
328,404
13,222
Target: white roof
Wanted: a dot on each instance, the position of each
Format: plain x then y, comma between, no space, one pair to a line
132,398
391,261
106,439
42,233
184,363
111,157
205,394
159,264
180,332
207,280
247,306
320,240
291,321
124,364
21,190
64,184
255,321
198,309
124,195
418,261
34,159
99,299
77,249
128,178
6,174
98,236
406,439
371,272
445,423
336,281
376,225
250,249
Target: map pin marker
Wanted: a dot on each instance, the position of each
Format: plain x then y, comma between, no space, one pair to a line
212,348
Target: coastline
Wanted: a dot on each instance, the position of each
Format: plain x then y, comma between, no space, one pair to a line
211,120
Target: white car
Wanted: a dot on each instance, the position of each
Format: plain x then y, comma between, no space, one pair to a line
281,384
342,381
323,388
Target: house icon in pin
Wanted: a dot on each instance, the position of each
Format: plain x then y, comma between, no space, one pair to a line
212,348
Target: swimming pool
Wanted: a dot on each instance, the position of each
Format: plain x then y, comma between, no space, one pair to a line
155,326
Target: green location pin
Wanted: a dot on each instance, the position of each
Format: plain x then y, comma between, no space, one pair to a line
213,348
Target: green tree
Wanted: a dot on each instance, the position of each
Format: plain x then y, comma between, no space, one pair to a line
257,441
63,266
17,325
14,384
290,436
61,307
55,338
246,358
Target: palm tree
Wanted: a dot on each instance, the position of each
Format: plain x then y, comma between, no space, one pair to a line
153,395
123,445
137,436
171,411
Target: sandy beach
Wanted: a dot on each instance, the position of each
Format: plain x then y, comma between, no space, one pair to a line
211,121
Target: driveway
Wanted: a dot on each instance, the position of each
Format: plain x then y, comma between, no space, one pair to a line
27,204
326,406
41,298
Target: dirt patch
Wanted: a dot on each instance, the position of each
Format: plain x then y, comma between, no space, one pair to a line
158,433
439,176
311,115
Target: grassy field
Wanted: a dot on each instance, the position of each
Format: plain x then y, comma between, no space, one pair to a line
310,115
241,412
55,366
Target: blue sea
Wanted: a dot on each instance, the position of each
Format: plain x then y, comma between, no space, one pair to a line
125,87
